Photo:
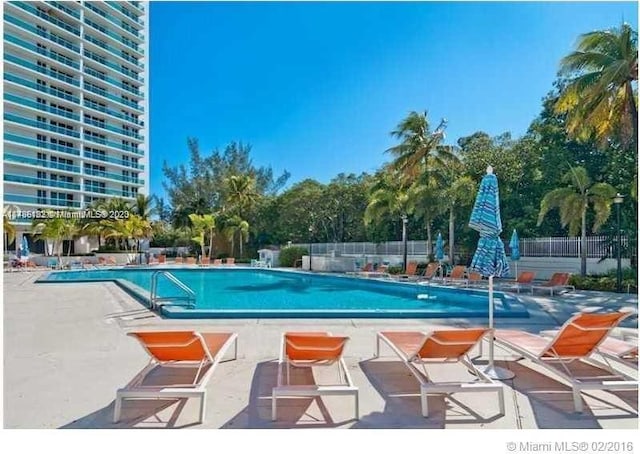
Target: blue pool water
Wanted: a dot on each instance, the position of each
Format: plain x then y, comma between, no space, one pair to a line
272,293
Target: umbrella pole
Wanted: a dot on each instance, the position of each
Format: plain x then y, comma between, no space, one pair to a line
492,371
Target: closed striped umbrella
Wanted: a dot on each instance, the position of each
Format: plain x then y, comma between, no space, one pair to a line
489,259
514,245
439,247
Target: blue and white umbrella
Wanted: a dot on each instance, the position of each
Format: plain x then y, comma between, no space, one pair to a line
514,245
489,259
25,248
439,248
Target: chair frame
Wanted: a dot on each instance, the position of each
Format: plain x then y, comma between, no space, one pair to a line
549,285
486,384
285,389
622,380
135,390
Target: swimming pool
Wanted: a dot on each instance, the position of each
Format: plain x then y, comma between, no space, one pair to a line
265,293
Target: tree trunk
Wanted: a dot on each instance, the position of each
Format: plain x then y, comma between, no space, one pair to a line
240,245
428,239
633,109
452,235
211,244
583,245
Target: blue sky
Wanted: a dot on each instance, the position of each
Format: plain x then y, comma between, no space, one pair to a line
317,87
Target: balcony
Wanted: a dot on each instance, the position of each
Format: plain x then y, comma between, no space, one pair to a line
112,50
114,98
62,7
112,176
50,36
120,162
109,64
17,198
125,12
40,144
41,107
44,89
47,53
49,18
41,182
17,159
108,127
48,72
127,42
40,125
113,20
100,190
92,72
115,145
113,113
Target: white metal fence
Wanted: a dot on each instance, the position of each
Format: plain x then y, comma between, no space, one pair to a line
597,247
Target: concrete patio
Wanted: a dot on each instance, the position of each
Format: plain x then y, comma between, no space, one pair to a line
66,353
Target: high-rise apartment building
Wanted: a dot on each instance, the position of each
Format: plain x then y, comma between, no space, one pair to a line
75,103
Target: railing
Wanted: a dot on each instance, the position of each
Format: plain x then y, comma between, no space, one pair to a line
40,125
113,35
47,17
112,176
100,190
42,107
112,50
596,247
105,94
114,82
40,201
47,35
25,45
40,144
113,113
118,7
55,74
66,9
41,182
188,299
116,145
120,162
43,89
108,127
108,63
8,157
114,20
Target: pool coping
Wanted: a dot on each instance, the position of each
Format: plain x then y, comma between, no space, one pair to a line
514,307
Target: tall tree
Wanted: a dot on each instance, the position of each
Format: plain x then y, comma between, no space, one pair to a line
573,200
599,97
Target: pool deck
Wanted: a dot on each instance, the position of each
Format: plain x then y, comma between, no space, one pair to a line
66,353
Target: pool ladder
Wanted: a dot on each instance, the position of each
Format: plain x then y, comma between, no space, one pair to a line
188,299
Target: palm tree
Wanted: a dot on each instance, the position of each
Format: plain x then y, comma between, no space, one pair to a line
573,201
9,229
599,96
386,198
142,206
203,224
419,149
241,193
459,191
57,230
233,226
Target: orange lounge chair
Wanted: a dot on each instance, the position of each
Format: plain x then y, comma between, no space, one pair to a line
205,261
111,260
230,261
162,258
475,279
180,366
442,346
524,279
558,282
217,262
411,271
457,275
310,349
179,260
190,261
579,338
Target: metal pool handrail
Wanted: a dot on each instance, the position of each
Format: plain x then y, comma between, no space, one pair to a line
189,299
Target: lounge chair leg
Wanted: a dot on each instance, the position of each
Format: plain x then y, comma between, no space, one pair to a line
501,402
424,403
357,402
377,346
577,400
202,407
117,410
273,407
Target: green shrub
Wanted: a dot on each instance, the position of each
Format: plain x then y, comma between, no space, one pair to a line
289,255
394,269
606,283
